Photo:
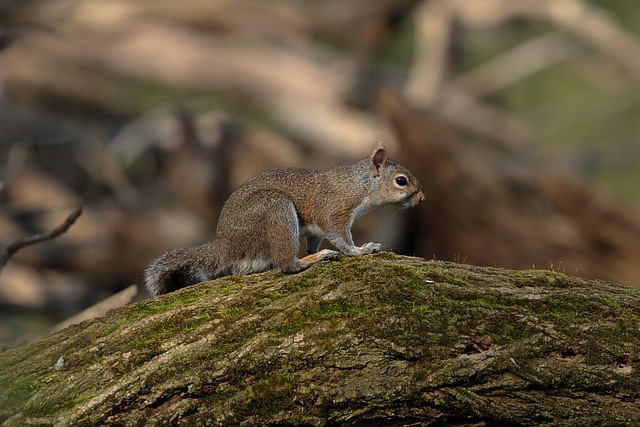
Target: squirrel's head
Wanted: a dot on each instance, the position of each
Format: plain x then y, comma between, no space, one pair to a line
395,183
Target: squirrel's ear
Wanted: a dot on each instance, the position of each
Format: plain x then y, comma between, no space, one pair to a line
378,159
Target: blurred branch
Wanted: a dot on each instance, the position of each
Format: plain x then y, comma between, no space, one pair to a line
515,65
16,158
601,32
585,21
467,112
102,165
40,237
458,99
119,299
434,27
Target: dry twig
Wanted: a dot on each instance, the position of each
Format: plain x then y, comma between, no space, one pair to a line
40,237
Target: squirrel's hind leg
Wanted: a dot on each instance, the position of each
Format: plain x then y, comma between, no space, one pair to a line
284,249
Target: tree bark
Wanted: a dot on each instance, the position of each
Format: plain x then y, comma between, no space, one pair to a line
373,340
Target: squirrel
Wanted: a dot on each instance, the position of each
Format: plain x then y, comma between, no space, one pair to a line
260,224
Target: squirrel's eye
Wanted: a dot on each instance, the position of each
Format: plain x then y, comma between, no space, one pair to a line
401,180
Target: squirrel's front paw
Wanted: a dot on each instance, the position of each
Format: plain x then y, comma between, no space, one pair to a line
369,248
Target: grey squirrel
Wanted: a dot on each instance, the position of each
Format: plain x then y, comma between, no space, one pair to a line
261,222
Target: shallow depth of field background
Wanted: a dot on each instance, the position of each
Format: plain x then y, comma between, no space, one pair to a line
521,120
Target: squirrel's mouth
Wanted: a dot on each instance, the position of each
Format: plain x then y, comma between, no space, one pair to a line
413,199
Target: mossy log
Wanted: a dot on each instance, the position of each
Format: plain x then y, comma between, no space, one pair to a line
373,340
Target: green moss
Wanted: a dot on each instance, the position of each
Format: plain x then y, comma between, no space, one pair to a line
530,278
111,329
566,310
335,310
149,308
276,294
408,272
231,313
50,378
21,391
306,283
233,283
271,392
288,329
222,393
444,277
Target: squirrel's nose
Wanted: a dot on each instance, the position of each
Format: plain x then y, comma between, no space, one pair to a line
420,196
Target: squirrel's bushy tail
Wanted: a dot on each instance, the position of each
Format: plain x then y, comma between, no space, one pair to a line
172,271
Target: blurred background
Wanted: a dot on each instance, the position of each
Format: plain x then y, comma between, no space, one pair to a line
521,120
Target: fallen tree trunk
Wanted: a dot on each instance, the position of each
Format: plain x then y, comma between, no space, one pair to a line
374,340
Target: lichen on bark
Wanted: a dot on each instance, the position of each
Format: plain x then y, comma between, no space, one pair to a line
383,338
